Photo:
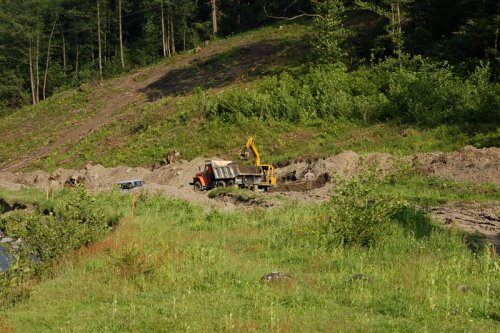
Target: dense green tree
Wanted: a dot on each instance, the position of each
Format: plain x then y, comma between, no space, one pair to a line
49,44
332,36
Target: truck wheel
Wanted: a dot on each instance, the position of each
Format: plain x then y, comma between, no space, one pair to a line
221,183
230,183
197,186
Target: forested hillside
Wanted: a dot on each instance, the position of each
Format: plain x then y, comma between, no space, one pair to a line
377,208
50,45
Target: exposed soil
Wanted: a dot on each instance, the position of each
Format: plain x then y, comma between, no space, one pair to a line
473,217
467,165
242,62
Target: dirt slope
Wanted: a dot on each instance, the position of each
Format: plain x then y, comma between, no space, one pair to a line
469,164
179,76
472,217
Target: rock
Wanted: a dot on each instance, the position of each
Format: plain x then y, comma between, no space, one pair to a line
245,48
276,277
6,240
172,157
359,277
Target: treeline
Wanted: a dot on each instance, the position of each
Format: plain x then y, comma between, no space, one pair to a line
46,45
49,44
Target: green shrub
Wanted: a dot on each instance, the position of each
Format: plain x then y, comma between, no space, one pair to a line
76,219
428,93
359,215
356,215
415,91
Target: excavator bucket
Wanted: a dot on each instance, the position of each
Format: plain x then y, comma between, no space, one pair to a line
245,154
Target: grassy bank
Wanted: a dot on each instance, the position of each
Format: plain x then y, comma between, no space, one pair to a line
261,84
178,268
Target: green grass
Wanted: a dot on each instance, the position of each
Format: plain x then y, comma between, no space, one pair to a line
434,191
176,268
141,134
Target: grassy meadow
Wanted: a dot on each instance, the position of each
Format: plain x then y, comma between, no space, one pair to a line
178,268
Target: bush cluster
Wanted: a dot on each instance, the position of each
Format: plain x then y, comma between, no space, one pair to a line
416,91
75,221
356,215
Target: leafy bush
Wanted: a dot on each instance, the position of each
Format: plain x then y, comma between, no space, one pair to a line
74,222
430,94
356,215
77,219
359,215
414,90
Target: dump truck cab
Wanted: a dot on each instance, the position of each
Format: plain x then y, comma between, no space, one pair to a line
204,179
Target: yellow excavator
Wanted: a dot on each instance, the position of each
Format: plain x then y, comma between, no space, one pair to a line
269,178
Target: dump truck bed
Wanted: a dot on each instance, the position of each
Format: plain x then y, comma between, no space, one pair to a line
230,169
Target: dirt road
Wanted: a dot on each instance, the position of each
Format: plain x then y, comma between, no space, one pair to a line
174,78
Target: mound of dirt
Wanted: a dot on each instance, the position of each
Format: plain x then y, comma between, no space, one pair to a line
35,178
178,174
96,177
344,165
466,165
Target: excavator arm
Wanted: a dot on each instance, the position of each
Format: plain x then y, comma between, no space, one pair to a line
268,169
250,147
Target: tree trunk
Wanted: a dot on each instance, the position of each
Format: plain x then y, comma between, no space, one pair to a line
77,60
399,32
497,29
214,17
37,71
99,39
184,34
172,37
65,62
167,43
92,45
47,63
164,44
105,41
32,75
238,13
121,31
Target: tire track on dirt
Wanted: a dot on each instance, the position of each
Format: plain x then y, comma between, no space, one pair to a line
131,91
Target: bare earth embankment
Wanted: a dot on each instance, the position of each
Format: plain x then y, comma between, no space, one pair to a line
467,165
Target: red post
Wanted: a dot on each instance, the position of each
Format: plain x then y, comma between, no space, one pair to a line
133,206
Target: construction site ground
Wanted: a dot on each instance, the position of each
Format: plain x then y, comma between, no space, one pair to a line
468,165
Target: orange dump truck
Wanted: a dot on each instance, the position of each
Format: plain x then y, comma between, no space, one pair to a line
229,174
